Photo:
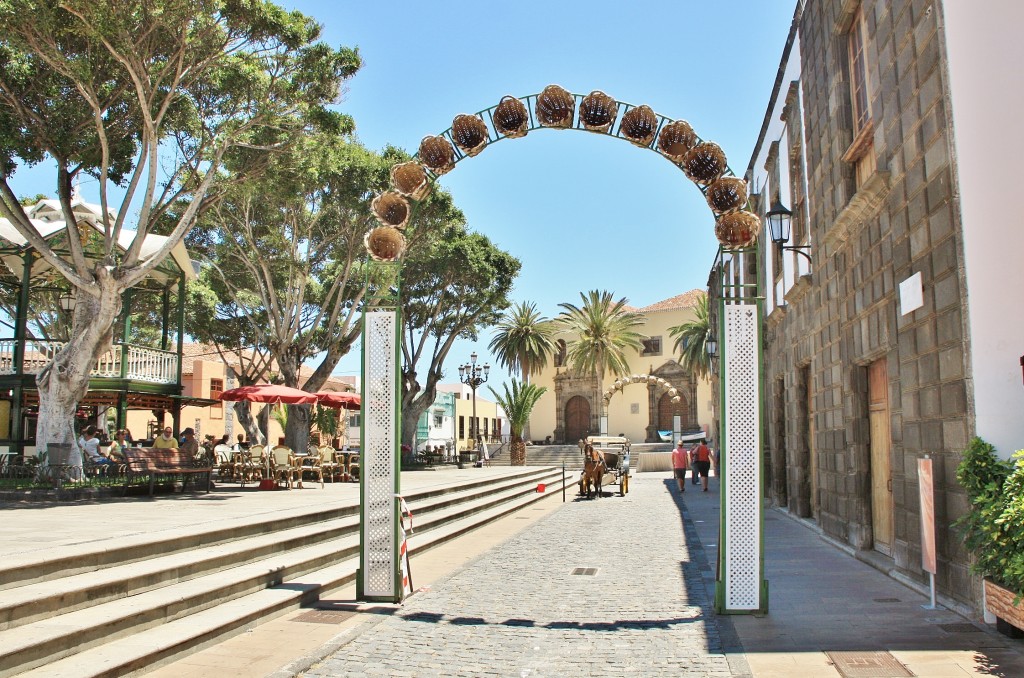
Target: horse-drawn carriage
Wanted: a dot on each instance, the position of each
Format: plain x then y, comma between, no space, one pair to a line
605,462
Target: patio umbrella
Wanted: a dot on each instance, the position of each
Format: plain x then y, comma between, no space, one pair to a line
269,393
339,400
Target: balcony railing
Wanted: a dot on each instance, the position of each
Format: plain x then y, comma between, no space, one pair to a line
138,362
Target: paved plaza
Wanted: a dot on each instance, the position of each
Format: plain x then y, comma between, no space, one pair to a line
606,587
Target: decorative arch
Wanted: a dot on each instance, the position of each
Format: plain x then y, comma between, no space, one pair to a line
703,162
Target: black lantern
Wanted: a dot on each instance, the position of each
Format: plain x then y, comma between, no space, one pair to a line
67,302
780,223
711,344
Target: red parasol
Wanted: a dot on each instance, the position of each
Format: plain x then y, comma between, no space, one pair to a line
340,400
269,393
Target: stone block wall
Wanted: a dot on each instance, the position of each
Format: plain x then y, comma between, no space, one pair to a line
846,314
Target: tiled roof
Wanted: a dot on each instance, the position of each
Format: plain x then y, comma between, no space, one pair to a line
197,351
684,300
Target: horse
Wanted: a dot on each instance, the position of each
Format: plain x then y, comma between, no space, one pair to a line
593,471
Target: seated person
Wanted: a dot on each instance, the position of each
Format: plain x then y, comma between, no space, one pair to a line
116,451
90,444
166,440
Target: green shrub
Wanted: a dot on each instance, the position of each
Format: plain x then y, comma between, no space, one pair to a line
993,528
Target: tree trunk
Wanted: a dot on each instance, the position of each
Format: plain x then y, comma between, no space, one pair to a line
296,432
65,381
517,451
243,410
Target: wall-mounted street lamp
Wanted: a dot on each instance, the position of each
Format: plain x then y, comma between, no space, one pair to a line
711,345
67,302
780,223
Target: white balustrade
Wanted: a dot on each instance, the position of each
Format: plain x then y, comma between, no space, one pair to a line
144,364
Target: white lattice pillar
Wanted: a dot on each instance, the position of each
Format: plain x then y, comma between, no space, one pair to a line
741,586
378,577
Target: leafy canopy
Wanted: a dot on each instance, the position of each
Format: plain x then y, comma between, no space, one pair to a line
524,340
691,340
603,331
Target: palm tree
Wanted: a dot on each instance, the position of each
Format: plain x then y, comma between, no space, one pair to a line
604,331
691,340
518,403
524,340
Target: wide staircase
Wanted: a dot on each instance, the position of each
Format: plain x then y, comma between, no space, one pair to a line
130,603
557,455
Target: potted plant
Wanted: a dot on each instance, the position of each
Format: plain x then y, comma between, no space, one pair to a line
993,529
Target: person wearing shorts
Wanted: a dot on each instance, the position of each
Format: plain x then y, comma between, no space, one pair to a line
680,460
702,462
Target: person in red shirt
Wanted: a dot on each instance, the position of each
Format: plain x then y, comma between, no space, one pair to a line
680,460
702,462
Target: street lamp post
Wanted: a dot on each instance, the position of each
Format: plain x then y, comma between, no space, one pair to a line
473,375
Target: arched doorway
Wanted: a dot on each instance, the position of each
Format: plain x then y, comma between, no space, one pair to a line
577,419
668,409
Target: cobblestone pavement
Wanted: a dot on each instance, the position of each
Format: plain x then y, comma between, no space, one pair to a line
519,611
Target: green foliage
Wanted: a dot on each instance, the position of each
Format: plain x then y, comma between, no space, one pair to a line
326,420
691,341
518,403
603,330
993,528
524,340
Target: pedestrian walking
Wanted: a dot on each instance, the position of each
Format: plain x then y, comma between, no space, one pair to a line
702,462
680,461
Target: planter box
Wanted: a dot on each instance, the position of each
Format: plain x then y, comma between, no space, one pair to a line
1009,617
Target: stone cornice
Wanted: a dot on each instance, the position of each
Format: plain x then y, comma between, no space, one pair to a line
862,206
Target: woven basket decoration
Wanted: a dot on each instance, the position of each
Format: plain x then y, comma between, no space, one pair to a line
674,400
410,179
638,125
705,163
469,133
384,243
598,111
511,118
728,194
437,154
391,209
737,229
676,140
673,391
555,107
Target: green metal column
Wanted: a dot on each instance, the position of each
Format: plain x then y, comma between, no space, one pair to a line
20,336
176,411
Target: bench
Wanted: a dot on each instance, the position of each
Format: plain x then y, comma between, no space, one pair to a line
154,463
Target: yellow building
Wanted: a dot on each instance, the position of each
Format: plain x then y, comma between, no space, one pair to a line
491,421
572,406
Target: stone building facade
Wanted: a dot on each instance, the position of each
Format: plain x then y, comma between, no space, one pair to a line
869,358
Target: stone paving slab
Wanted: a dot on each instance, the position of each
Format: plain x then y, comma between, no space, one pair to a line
519,611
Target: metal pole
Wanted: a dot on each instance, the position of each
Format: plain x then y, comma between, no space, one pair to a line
563,482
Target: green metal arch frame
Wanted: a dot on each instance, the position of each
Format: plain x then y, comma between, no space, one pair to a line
530,101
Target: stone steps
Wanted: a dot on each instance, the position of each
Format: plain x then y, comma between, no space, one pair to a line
120,618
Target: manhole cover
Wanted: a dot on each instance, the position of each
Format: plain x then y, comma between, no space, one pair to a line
867,665
887,600
586,571
324,616
960,627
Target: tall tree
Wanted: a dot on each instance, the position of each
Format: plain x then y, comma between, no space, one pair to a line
602,331
523,340
150,96
284,251
518,403
455,284
691,340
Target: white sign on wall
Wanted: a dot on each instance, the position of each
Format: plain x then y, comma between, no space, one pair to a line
911,294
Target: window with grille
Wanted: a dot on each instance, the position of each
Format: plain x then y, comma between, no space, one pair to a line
438,419
652,346
861,152
462,427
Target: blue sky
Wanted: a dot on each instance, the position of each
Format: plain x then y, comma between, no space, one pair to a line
579,210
